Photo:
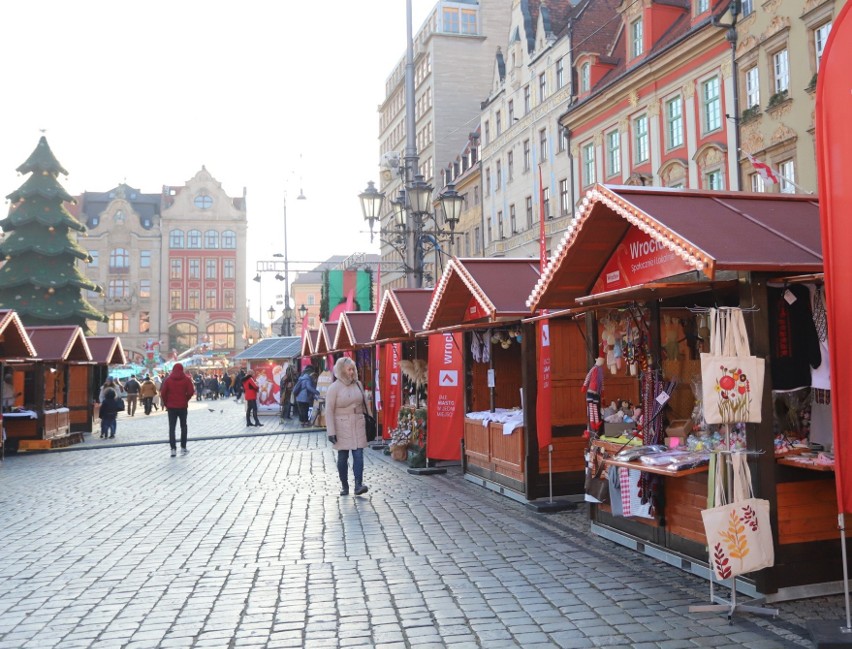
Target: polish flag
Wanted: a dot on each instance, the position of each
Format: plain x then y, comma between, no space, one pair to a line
764,170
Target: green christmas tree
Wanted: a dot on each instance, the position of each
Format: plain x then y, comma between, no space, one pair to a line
40,279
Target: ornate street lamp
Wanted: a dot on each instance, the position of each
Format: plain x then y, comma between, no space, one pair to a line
371,205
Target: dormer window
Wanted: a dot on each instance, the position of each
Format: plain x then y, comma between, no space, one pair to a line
585,77
701,6
636,37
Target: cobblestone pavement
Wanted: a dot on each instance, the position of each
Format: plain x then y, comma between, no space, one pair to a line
245,543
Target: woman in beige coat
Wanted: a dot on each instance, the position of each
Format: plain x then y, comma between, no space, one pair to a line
344,419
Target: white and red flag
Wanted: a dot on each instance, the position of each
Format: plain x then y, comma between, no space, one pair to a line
763,169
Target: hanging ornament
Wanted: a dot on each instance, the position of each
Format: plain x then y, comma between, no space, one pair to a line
51,229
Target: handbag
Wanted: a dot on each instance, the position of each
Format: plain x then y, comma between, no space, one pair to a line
731,378
596,486
370,426
739,536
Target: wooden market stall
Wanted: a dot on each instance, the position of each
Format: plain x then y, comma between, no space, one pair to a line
483,300
15,348
269,358
648,264
402,356
54,383
353,338
106,351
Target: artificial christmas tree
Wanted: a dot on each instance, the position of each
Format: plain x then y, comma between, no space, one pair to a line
40,279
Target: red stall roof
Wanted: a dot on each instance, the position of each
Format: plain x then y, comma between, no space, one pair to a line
14,341
481,290
309,342
709,231
60,343
107,350
401,313
354,330
325,340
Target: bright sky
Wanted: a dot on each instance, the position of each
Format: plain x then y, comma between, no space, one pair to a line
271,95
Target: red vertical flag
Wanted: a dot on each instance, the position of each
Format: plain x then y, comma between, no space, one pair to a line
391,387
544,396
834,166
445,422
542,216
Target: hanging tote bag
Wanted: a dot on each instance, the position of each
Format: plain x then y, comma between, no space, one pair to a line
731,378
370,426
739,537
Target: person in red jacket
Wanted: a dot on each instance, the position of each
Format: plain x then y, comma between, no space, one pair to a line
175,392
250,389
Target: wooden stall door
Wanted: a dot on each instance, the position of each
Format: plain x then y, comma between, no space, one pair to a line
79,398
569,366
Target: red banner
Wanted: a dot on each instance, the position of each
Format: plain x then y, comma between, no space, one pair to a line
834,165
544,396
391,387
445,423
638,259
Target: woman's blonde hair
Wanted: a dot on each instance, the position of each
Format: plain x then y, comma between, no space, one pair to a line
342,363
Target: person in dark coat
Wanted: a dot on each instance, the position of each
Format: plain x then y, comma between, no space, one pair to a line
131,387
250,388
176,391
110,407
238,384
306,392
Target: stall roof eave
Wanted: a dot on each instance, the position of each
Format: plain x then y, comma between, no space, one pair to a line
14,340
401,314
60,343
107,350
354,330
653,291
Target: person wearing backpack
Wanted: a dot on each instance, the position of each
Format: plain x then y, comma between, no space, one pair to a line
110,407
305,392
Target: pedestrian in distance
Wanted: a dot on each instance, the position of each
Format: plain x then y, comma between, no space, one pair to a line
250,389
131,387
305,393
111,405
109,384
238,385
345,406
176,391
285,392
148,392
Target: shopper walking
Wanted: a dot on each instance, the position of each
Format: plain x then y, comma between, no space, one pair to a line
176,391
250,389
148,392
345,405
131,387
305,392
108,412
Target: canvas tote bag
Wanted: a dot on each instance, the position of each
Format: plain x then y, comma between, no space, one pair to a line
739,537
731,378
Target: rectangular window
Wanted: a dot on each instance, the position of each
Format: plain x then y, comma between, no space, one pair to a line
510,165
757,184
513,219
564,199
144,259
585,77
530,217
781,71
787,177
526,155
820,37
467,250
477,238
542,141
176,269
546,205
488,182
498,122
511,105
747,7
526,99
210,269
542,87
563,139
588,164
468,21
144,322
500,233
636,44
118,289
489,232
752,87
451,20
229,268
712,104
144,288
640,139
701,6
560,73
175,299
210,298
487,127
194,269
613,153
498,170
714,180
674,122
193,299
229,300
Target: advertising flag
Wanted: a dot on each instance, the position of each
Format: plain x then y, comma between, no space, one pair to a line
391,387
445,418
544,396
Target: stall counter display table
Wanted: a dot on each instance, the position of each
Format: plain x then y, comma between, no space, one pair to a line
22,424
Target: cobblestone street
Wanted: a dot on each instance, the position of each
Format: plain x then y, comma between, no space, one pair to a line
245,542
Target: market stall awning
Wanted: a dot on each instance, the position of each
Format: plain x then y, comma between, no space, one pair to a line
279,348
708,231
401,314
309,342
481,290
354,330
653,291
107,350
14,341
325,339
60,343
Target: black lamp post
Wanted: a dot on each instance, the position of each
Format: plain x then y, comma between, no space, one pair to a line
287,321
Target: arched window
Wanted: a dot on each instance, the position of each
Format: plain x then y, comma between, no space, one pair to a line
222,335
211,239
182,336
119,323
229,239
119,258
176,239
193,239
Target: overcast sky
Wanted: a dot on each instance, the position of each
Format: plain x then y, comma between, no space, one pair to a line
271,95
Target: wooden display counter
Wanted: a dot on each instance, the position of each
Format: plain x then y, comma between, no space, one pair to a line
494,456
